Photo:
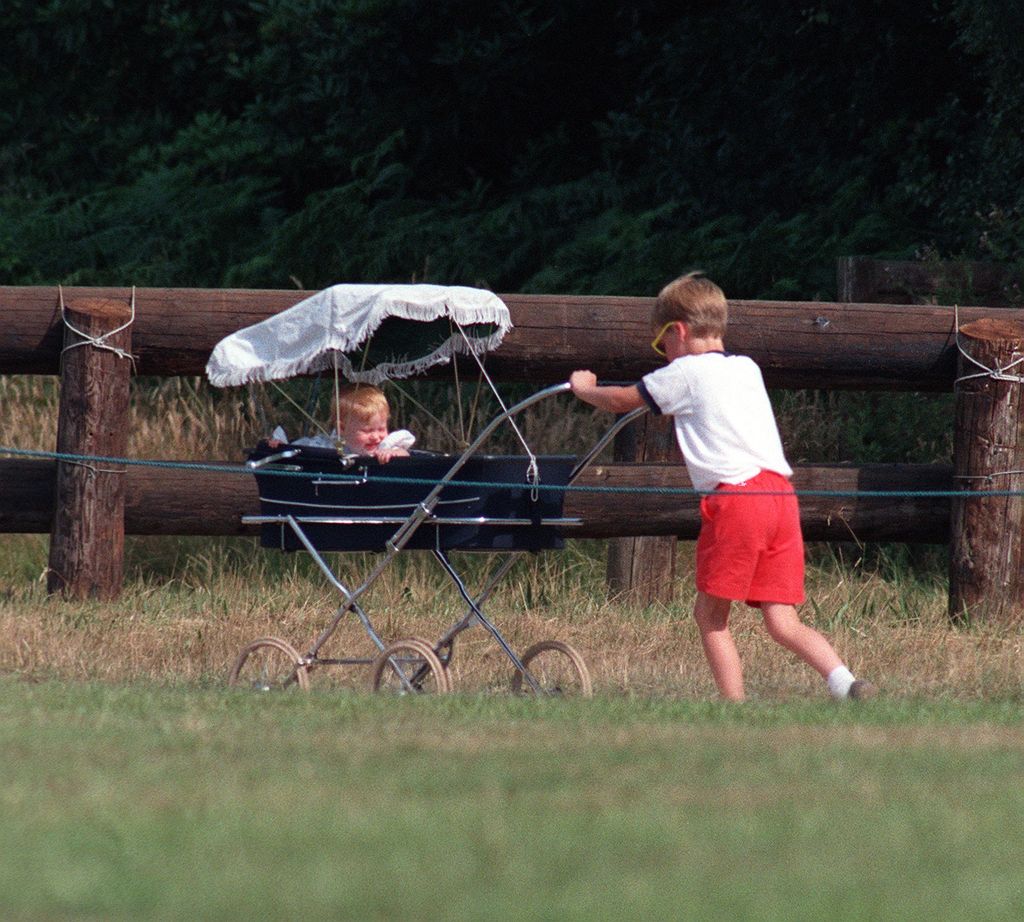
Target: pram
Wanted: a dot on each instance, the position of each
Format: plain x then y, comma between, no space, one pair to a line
322,500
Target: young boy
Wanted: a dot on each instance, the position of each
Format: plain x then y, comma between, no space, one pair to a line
750,545
361,414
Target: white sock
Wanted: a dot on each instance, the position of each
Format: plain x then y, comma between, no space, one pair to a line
839,681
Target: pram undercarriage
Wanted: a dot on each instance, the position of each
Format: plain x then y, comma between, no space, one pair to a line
313,500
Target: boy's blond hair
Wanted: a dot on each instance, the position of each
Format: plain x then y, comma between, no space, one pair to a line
362,401
696,301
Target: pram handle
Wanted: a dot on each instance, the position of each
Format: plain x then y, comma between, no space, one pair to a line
426,506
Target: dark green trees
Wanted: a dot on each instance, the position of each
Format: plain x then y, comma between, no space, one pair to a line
568,146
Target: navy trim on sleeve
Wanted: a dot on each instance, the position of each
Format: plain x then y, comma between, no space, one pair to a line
648,399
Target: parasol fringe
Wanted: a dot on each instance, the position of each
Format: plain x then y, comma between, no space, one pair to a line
354,314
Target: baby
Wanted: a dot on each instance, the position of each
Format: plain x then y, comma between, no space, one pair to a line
361,414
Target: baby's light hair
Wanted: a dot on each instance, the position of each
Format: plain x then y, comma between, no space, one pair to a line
696,301
362,401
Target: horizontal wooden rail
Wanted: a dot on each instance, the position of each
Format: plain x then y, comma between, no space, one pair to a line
797,343
162,501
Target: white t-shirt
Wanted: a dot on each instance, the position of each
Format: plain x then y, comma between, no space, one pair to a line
724,421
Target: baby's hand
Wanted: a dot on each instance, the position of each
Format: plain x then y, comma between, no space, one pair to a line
400,438
388,453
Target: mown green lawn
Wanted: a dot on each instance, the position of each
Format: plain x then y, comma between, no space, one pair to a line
148,802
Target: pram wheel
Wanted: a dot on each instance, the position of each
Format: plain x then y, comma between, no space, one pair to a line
557,668
269,664
410,667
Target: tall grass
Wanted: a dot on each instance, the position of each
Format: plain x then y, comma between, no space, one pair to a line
189,604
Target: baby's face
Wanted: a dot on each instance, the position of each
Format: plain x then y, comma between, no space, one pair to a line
363,436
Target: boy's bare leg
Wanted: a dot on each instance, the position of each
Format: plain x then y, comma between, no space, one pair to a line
712,616
785,628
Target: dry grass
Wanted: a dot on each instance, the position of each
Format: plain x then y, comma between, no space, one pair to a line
187,626
189,605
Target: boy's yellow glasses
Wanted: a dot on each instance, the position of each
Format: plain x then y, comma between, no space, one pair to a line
656,342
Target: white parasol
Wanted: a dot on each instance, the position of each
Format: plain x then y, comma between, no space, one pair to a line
371,333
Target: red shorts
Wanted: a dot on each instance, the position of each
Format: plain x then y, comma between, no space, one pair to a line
750,546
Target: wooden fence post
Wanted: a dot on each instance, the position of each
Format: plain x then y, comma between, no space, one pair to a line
986,562
642,570
87,536
862,279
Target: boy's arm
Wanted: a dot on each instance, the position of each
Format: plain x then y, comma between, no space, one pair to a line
611,397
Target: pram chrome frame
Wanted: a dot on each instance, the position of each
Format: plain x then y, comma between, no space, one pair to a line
410,662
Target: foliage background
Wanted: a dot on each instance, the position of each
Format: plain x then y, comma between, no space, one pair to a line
591,147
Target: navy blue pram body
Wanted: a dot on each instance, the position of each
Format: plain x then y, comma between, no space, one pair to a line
358,504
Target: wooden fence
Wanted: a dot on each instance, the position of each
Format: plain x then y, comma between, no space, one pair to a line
985,534
893,281
798,344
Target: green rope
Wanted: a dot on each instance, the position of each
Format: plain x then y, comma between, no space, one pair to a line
567,488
